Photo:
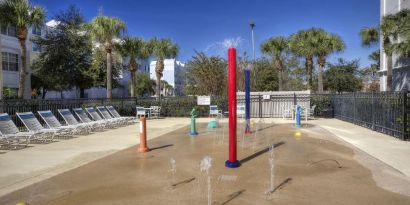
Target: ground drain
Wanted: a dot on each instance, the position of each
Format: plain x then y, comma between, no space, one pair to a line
233,196
186,181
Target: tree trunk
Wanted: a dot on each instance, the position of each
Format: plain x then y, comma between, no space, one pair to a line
321,62
389,84
309,63
159,69
1,74
22,36
82,92
132,87
109,74
279,66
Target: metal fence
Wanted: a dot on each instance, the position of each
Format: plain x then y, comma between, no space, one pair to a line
385,112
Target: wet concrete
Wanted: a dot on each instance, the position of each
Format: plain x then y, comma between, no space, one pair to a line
310,168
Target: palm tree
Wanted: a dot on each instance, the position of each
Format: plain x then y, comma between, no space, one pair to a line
304,43
277,47
161,49
23,15
328,43
402,30
104,30
134,49
388,29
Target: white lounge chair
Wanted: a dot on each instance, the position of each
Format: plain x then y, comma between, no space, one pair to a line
82,115
107,116
214,111
240,111
53,123
96,117
115,114
11,135
32,124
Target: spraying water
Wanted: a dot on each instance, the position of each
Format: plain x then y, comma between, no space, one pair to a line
173,170
220,47
271,161
204,167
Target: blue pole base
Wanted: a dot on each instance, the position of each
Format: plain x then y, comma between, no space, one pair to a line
297,126
193,134
234,164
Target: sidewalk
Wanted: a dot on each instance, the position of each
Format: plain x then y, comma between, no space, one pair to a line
387,149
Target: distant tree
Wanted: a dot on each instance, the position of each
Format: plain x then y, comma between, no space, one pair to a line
161,49
133,49
23,15
144,85
343,76
327,44
99,68
66,58
296,74
104,30
206,75
277,47
304,43
266,75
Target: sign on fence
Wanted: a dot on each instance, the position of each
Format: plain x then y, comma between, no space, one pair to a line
266,97
204,100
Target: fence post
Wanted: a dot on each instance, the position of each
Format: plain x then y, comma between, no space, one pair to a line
354,107
294,99
404,134
373,110
260,106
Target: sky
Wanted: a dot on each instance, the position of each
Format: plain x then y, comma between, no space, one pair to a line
203,25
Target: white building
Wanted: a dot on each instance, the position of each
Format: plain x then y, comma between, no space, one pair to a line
174,74
11,57
401,67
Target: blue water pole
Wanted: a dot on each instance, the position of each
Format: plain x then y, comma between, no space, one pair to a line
298,112
247,101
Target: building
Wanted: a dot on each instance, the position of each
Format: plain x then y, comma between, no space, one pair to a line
11,56
174,74
401,67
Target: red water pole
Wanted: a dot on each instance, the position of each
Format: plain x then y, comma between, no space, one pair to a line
232,162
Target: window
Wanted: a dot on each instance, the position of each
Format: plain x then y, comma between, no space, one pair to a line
36,47
8,30
10,61
36,31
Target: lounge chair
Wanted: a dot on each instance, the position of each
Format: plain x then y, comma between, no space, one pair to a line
155,111
71,121
107,116
53,123
96,117
11,135
82,115
115,114
240,111
33,125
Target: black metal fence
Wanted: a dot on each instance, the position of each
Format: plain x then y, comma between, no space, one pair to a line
385,112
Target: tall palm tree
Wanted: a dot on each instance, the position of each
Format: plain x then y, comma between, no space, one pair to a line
104,30
328,43
402,30
304,43
161,49
388,29
134,49
23,15
277,47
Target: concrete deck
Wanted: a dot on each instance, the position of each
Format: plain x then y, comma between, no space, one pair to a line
21,168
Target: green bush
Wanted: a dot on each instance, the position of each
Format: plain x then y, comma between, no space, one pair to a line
322,102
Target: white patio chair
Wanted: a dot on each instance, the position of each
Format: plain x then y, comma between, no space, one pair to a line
214,112
312,112
287,112
155,111
53,123
71,121
107,116
240,111
82,115
96,117
11,135
115,114
141,111
32,124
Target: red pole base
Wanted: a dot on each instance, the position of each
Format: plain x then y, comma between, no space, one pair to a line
143,149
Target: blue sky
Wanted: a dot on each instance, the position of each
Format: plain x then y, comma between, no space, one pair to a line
200,25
